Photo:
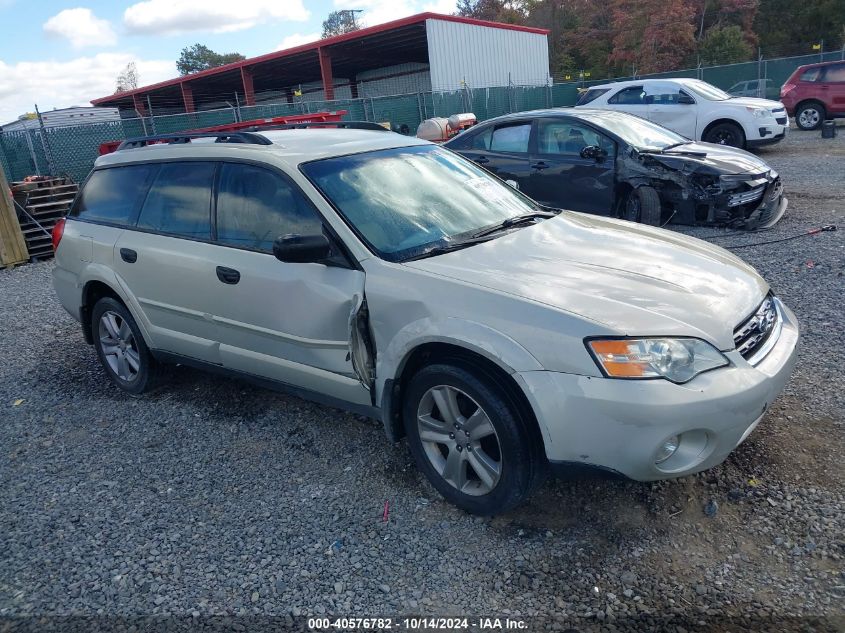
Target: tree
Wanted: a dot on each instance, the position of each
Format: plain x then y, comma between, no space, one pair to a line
199,57
507,11
724,45
128,78
652,35
340,22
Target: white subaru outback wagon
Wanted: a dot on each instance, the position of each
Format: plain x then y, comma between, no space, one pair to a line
394,278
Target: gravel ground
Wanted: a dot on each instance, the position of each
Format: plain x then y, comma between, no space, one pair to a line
210,497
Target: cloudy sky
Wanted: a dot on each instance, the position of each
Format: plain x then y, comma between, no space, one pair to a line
59,53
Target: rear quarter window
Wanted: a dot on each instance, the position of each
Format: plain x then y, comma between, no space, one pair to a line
113,195
811,74
591,95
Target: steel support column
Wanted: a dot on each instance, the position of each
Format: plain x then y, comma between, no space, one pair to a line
187,96
326,72
249,89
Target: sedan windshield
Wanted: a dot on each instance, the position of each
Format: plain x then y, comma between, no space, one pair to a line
406,201
637,132
707,91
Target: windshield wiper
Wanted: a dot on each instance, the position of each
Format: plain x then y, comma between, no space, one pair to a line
454,245
514,221
674,145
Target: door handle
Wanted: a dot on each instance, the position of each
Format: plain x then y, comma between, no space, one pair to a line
128,255
228,275
540,165
482,160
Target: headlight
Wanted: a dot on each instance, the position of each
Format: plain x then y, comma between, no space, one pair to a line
758,112
676,359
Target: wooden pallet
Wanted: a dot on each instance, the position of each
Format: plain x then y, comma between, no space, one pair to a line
44,203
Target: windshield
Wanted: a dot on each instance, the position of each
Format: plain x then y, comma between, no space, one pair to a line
406,200
635,131
707,91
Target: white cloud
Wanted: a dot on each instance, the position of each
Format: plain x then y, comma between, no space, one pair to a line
81,28
380,11
297,39
441,6
60,84
178,16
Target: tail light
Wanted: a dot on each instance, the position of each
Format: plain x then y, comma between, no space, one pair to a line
785,89
58,231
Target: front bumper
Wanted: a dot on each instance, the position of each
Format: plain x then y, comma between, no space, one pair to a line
619,425
768,131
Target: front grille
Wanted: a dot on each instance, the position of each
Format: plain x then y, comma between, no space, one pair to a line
776,110
781,120
746,197
753,333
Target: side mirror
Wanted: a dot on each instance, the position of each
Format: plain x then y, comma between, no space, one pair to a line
512,183
685,99
593,152
301,249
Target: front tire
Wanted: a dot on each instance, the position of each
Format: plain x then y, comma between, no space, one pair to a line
642,205
121,348
726,134
810,115
470,440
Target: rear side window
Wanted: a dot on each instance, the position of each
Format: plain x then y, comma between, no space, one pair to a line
179,201
113,195
255,206
591,95
513,138
835,72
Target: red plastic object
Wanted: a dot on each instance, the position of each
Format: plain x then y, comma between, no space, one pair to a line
58,231
317,117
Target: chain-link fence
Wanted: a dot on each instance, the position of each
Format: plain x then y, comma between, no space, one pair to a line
71,150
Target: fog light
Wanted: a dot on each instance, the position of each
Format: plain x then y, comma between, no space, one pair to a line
667,449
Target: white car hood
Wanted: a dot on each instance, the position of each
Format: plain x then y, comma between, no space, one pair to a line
755,102
633,279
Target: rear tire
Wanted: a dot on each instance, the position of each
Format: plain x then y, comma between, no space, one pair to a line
810,115
643,205
478,451
729,134
121,348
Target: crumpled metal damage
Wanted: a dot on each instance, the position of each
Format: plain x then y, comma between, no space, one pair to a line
696,189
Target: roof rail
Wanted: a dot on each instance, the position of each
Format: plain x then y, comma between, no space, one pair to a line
187,137
351,125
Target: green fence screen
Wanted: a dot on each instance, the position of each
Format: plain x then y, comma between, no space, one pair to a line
72,150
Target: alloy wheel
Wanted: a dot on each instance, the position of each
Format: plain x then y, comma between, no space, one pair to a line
809,117
459,440
725,137
118,345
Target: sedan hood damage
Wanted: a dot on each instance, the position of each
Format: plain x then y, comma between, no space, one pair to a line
710,184
634,279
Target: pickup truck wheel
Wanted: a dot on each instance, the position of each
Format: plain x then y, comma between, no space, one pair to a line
809,115
470,441
121,348
726,134
643,205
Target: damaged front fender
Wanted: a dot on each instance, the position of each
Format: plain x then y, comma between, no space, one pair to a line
695,188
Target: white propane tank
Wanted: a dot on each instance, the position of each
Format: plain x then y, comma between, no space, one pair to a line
458,122
435,129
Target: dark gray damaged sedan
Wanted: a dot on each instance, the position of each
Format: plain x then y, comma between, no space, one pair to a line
620,165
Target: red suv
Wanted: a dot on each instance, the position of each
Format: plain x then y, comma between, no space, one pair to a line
814,93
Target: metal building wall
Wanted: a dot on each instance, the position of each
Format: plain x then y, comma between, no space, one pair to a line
483,56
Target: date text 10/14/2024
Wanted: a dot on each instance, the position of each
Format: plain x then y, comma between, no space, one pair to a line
417,624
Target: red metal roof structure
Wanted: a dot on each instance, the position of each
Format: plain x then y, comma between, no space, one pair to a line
343,56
